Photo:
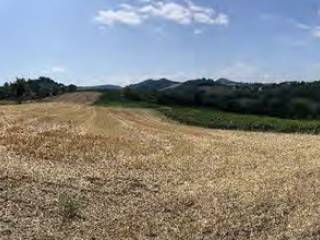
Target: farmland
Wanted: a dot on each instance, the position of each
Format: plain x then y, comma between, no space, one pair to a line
70,170
210,117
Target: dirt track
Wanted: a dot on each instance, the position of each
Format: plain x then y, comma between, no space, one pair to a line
85,98
136,175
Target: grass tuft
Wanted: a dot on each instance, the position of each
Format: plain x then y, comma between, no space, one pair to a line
69,206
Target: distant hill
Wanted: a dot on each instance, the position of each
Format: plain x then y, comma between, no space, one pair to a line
224,81
100,88
286,100
153,85
164,84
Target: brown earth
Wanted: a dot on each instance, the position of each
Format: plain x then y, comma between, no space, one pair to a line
70,171
86,98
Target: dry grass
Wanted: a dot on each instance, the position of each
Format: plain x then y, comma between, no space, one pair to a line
137,176
76,97
7,102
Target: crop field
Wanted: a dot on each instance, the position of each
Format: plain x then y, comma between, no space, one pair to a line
69,170
210,117
76,97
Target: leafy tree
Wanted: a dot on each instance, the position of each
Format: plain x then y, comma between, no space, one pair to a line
42,87
72,88
131,94
286,100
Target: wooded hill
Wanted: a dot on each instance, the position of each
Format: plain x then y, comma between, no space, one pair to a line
22,89
296,100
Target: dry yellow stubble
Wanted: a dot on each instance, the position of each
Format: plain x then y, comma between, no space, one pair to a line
138,176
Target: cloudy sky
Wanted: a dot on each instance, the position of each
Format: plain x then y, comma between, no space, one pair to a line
124,41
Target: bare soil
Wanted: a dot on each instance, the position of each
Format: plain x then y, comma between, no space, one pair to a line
86,98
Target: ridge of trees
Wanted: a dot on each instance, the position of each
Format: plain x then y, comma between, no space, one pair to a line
293,100
31,89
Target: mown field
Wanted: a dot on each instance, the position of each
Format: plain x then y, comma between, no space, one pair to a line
74,171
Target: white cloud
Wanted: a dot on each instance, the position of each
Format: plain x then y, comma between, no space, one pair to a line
58,69
240,71
170,11
124,15
246,72
198,31
316,32
313,30
302,26
309,28
185,14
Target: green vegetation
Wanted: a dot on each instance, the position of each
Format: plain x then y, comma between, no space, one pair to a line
291,100
69,206
23,89
217,119
153,85
212,118
215,104
118,98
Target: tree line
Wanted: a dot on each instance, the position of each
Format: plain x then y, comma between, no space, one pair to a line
22,89
294,100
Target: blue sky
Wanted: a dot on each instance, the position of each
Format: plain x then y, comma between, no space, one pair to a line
121,42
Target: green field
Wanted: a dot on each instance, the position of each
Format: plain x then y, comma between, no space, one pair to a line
212,118
216,119
113,98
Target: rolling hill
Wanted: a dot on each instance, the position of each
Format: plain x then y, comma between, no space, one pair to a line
292,100
99,87
153,85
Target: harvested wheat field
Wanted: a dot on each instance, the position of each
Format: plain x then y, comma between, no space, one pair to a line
76,97
71,171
